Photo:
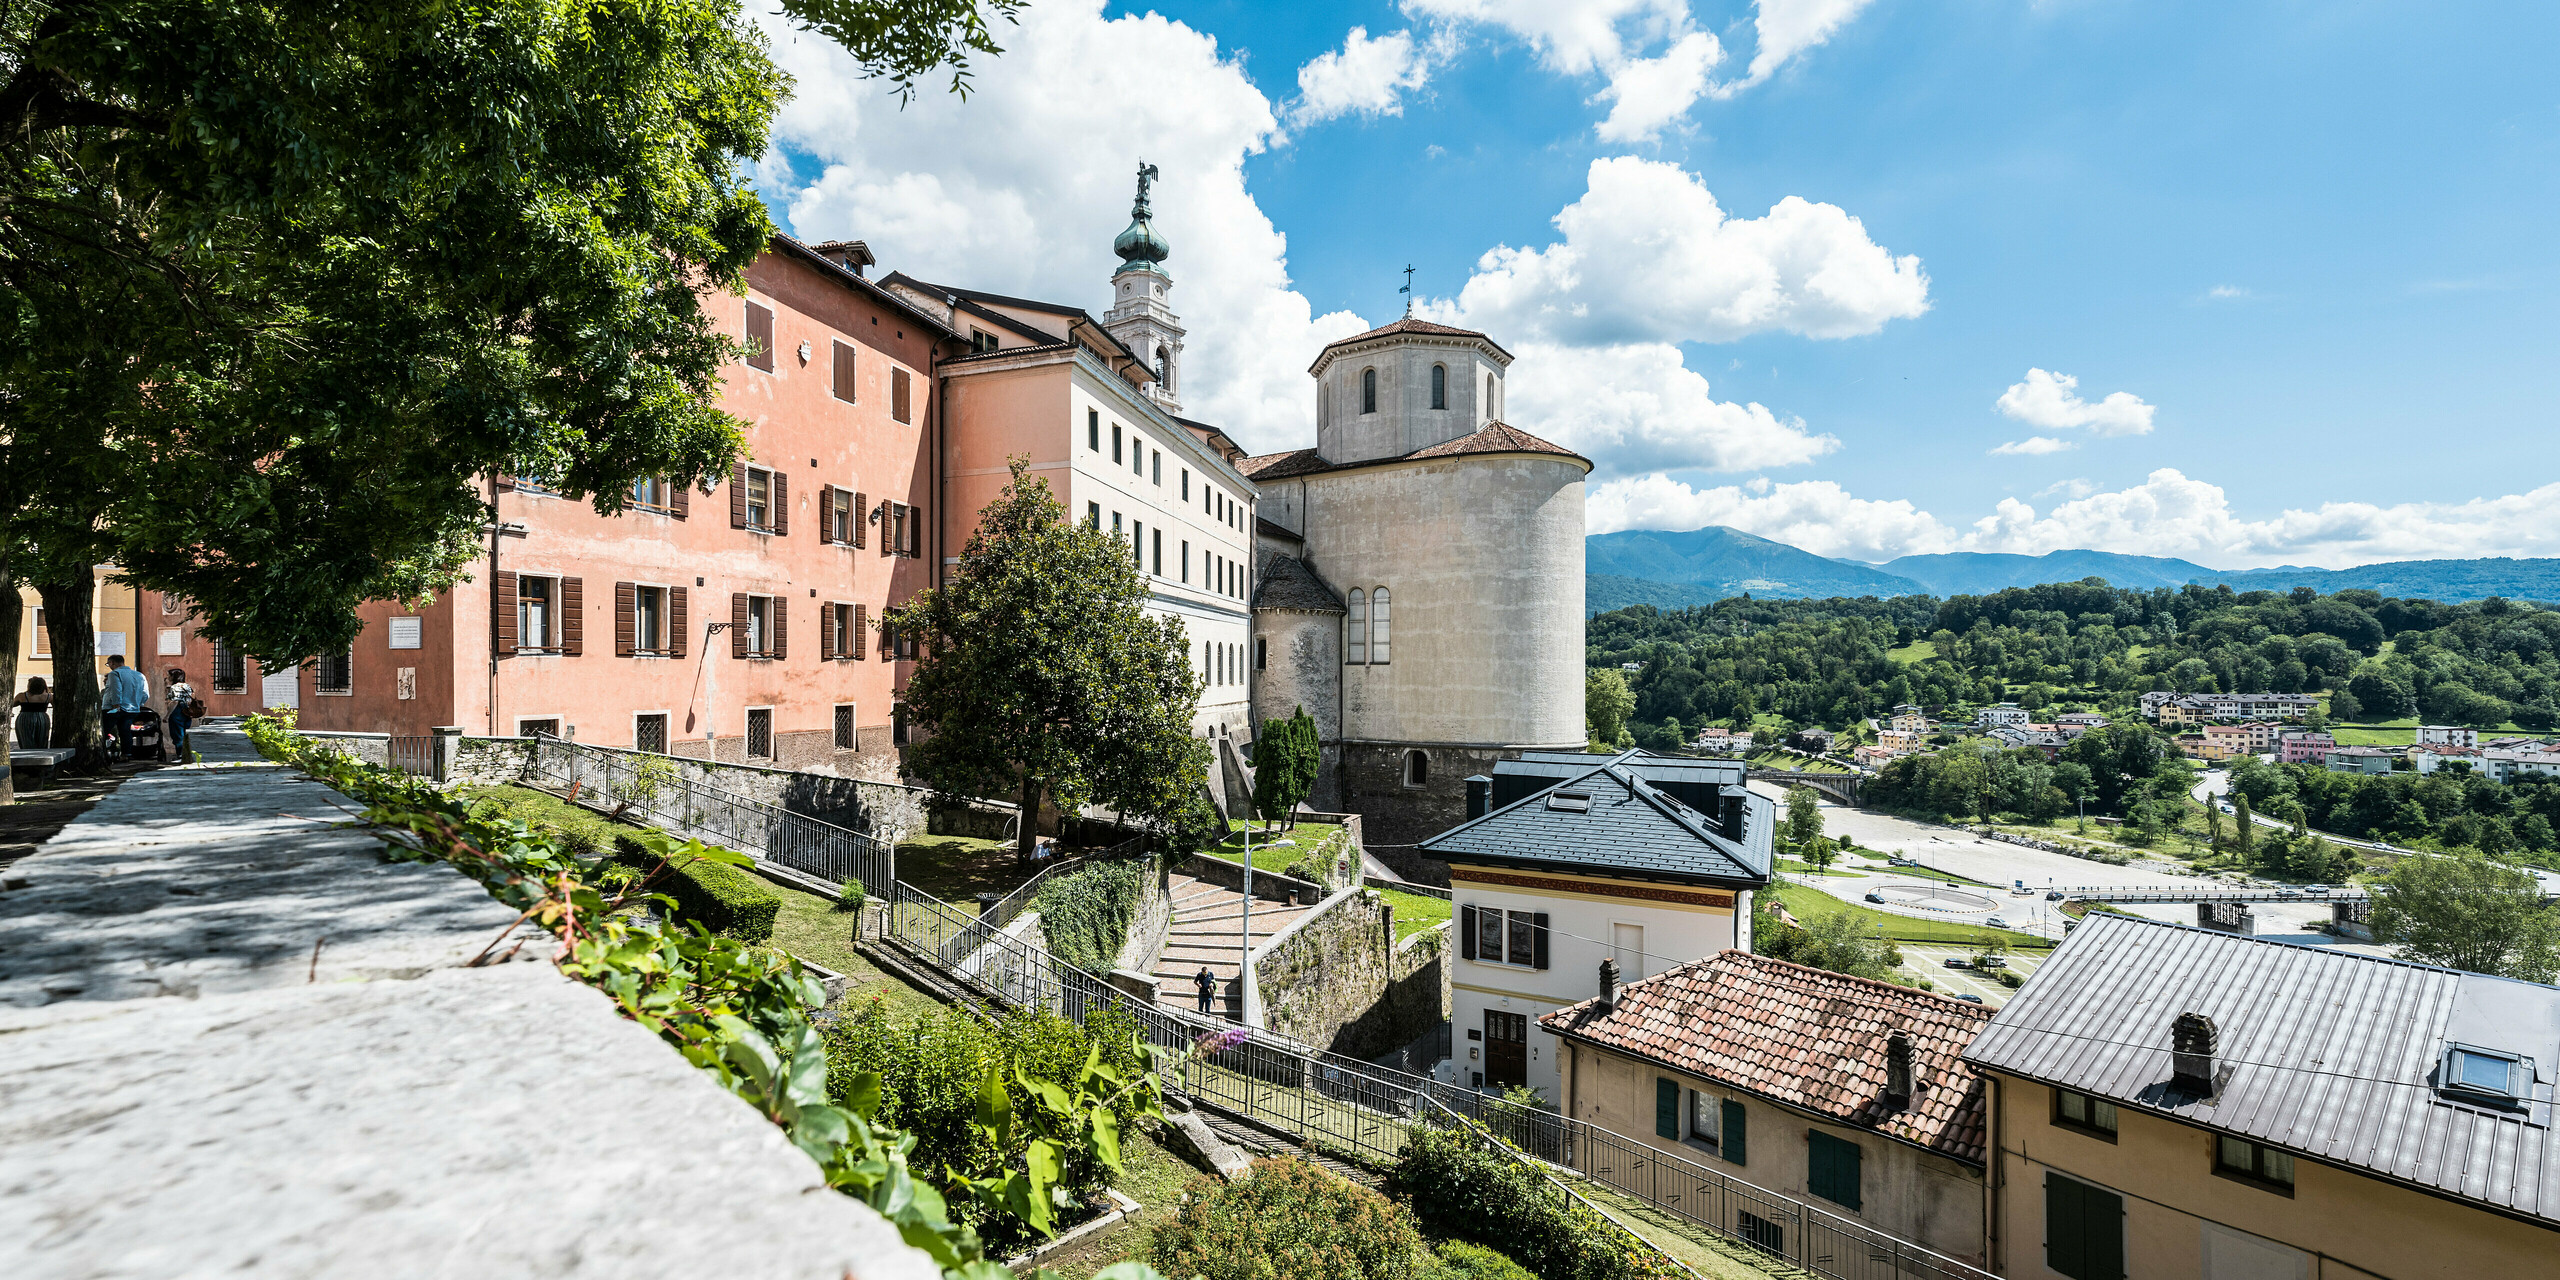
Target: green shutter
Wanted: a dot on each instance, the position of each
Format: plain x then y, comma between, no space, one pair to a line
1831,1168
1736,1144
1666,1108
2083,1230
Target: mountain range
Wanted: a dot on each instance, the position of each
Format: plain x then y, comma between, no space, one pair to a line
1675,570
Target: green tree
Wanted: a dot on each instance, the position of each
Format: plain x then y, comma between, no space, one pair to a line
1040,672
1284,766
1804,816
2243,826
1606,704
1834,940
2464,911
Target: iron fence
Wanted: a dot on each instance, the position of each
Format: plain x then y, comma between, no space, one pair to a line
641,785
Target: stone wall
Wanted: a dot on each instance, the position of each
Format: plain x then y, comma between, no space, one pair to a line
853,803
1148,926
1338,980
1267,885
1373,776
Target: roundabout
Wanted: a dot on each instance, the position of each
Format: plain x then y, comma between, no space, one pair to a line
1930,896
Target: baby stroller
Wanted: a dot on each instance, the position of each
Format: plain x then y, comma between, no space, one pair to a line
144,729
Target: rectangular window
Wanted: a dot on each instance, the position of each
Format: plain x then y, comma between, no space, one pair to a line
1115,443
843,369
898,407
1137,454
1831,1168
2080,1111
759,625
1158,553
1261,652
836,631
1093,429
2252,1162
42,638
648,619
649,732
1138,544
536,618
760,733
1705,1110
548,727
2083,1229
981,341
1093,515
1356,629
845,736
230,669
841,515
759,498
1115,524
760,337
1186,484
650,492
1489,935
1186,561
335,673
1517,946
1378,603
1156,476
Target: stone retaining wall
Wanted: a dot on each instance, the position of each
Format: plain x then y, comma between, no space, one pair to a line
854,803
1338,980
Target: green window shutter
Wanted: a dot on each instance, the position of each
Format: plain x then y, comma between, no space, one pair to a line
1736,1143
1666,1109
1831,1168
2083,1230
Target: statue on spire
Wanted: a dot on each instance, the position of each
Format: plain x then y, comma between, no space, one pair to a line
1146,178
1140,245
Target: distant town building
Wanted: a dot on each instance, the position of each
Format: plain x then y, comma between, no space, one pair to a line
2359,760
2079,722
2509,765
1719,741
2047,738
1909,719
2447,735
2197,708
2427,757
2198,746
2001,714
2305,746
1816,741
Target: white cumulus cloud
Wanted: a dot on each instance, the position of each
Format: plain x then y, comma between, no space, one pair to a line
1649,256
1368,75
1787,28
1649,93
2052,401
1572,37
1638,408
1020,188
2031,446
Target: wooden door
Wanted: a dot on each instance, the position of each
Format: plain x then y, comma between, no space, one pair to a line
1506,1049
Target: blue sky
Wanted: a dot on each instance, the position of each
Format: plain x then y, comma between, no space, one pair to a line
2305,248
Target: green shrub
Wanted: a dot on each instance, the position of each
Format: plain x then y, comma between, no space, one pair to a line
1289,1219
850,895
1086,912
2009,977
930,1065
1460,1260
728,901
1462,1190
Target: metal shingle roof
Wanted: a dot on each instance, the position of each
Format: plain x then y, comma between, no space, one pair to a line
1630,827
2328,1054
1803,1036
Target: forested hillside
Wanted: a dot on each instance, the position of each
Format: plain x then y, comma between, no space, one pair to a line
1834,662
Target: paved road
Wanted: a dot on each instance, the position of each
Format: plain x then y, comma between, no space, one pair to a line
1931,962
1999,863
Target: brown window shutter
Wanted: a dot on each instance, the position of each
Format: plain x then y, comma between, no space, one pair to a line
826,632
760,336
737,624
675,621
625,596
738,496
781,515
502,598
844,371
888,640
826,513
676,500
861,641
898,407
573,616
915,532
861,518
888,527
780,621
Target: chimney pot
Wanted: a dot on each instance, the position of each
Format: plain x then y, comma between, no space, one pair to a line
1479,796
1897,1068
2193,1042
1608,985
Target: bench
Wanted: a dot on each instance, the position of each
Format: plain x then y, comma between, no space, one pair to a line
44,759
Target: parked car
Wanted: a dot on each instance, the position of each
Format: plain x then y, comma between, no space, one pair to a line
1958,962
1968,999
1875,897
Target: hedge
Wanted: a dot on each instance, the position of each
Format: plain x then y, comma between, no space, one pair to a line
1085,914
1291,1219
1461,1190
724,899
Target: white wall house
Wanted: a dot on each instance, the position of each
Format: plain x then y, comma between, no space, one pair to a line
1650,861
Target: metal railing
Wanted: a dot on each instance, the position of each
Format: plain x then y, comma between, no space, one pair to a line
635,784
414,753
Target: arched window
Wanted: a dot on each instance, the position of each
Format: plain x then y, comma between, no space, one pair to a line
1489,410
1417,768
1439,386
1378,625
1355,647
1368,391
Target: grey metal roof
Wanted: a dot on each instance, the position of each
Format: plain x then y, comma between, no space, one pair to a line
2328,1054
1631,827
1287,583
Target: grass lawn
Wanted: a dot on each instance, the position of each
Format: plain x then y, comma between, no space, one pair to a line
1806,904
810,927
1916,652
1414,912
1785,763
1807,868
958,868
1273,857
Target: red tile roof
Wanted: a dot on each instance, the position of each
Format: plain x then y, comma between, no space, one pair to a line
1806,1037
1493,437
1406,325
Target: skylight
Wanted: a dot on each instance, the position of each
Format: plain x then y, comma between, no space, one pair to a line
1570,801
2491,1076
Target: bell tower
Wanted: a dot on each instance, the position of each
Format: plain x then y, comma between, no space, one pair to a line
1141,314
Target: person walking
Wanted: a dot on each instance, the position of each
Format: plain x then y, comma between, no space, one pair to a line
1208,984
123,693
182,711
35,715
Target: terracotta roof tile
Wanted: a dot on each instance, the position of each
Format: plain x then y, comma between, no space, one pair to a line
1492,437
1806,1037
1409,325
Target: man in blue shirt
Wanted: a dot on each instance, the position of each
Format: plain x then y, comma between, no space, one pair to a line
123,693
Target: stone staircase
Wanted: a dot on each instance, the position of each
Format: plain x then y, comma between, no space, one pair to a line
1208,927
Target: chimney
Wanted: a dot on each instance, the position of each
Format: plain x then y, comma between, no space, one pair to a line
1608,985
1897,1069
2193,1040
1479,796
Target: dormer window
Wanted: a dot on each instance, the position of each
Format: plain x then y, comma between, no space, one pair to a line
2489,1077
1368,391
1569,801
